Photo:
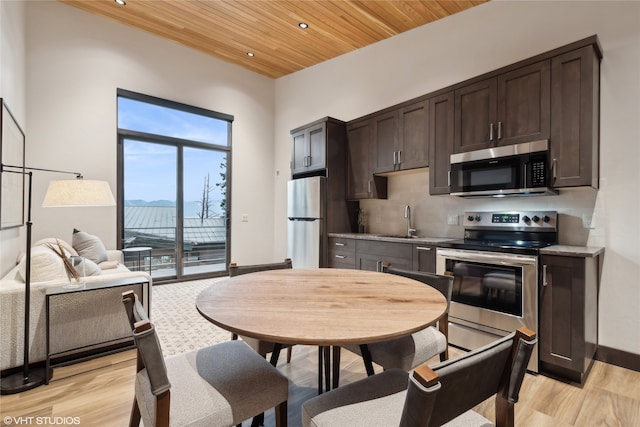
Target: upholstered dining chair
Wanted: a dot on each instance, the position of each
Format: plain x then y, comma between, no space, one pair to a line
219,385
442,395
261,347
408,352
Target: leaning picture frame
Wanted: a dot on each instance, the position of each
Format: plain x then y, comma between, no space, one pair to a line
12,185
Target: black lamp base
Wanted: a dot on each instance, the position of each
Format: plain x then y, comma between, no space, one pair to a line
16,383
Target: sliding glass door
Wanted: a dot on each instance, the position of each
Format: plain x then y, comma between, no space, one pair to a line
185,230
204,227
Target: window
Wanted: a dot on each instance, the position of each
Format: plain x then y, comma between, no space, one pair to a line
173,164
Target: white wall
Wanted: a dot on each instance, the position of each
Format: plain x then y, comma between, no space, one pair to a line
13,91
75,63
466,45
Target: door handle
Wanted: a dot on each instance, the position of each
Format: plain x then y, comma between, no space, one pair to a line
339,244
423,248
491,131
340,256
399,157
499,131
554,169
395,158
544,276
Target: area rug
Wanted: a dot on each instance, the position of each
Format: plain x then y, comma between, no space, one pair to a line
179,326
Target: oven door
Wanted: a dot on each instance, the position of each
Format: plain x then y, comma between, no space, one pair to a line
493,294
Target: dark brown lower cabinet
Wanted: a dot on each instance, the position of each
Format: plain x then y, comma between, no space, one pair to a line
372,254
568,334
342,253
424,258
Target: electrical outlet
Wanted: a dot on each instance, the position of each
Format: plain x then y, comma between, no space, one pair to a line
452,219
245,217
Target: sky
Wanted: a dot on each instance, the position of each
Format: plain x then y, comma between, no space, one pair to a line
150,168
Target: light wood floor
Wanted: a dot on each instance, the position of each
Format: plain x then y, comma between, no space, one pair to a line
100,392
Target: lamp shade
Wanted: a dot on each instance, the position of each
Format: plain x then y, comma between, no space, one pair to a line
78,192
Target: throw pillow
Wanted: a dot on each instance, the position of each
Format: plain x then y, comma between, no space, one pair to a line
45,265
89,268
108,265
89,246
54,241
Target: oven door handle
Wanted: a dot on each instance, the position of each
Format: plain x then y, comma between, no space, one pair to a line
498,258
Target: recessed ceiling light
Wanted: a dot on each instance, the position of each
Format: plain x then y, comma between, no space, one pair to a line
121,2
251,54
303,25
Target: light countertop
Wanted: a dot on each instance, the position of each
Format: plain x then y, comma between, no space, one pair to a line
391,238
567,250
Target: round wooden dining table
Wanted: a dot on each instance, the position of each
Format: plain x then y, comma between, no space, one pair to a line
323,306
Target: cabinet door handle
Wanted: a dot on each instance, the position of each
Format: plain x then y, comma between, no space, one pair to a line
369,187
340,256
399,157
395,158
339,244
449,178
423,248
554,167
490,131
544,275
499,131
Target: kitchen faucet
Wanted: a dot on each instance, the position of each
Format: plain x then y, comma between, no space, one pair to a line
407,214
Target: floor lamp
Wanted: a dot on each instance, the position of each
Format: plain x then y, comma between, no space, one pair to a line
77,192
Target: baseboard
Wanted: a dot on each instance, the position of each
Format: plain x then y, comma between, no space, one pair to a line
620,358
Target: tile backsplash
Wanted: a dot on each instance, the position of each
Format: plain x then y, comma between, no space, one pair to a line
579,210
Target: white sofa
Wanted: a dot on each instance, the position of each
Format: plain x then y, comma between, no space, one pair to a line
80,323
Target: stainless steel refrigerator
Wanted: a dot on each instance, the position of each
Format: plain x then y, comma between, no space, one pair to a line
306,229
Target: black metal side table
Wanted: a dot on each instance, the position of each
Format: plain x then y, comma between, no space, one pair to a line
74,306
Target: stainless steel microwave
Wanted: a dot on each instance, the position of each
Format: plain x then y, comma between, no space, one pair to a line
510,170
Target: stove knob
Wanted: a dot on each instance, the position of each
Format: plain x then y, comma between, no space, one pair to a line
470,218
535,218
525,219
546,218
478,218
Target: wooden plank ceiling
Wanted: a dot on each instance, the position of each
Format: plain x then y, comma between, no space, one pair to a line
229,29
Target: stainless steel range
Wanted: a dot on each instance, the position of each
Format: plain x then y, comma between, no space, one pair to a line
496,275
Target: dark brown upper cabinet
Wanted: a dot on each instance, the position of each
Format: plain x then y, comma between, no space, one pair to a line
510,108
385,141
414,136
361,183
440,142
575,108
400,138
308,152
